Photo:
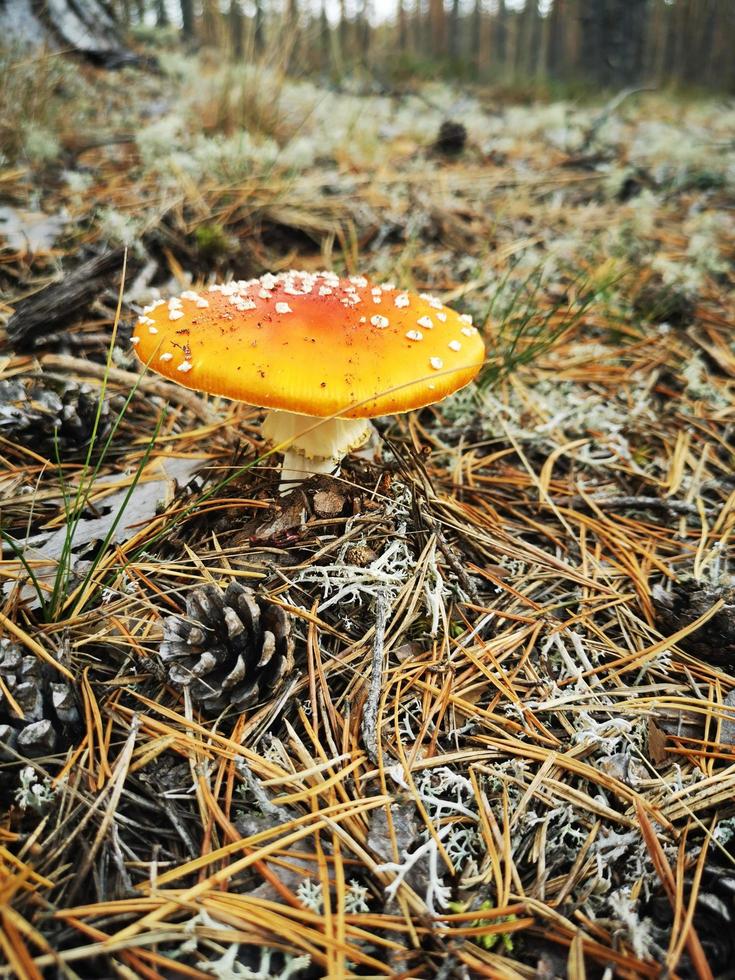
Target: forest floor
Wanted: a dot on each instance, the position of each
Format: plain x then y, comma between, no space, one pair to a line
535,571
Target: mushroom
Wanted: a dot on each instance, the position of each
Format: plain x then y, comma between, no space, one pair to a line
324,354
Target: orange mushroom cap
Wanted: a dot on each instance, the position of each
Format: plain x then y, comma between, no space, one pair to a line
312,343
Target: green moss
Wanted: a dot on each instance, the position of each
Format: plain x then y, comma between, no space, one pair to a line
212,241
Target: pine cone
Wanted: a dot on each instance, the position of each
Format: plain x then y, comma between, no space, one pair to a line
714,641
714,916
38,416
659,301
451,138
232,650
46,700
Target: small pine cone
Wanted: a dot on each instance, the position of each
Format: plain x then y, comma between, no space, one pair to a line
232,650
38,416
660,302
47,702
714,641
714,915
451,138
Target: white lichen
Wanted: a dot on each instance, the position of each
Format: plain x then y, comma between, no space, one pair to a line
34,793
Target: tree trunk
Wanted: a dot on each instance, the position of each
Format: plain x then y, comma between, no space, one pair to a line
343,32
86,27
454,31
292,38
418,28
511,43
364,31
629,58
402,27
613,41
161,14
541,55
528,46
210,22
438,27
655,43
259,29
325,35
720,62
701,63
237,30
486,56
476,29
591,19
500,39
187,18
557,26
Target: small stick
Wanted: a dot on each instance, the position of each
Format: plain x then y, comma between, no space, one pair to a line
262,798
609,109
616,503
369,726
451,558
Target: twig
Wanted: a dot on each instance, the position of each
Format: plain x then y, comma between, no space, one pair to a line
262,799
458,568
608,109
370,712
619,503
468,586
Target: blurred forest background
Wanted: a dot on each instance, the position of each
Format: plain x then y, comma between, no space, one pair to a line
602,42
521,43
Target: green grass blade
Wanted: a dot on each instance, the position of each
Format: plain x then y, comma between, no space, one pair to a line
20,555
120,514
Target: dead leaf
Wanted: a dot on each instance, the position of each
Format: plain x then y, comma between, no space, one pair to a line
656,744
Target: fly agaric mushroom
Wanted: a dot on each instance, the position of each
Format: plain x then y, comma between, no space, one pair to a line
323,354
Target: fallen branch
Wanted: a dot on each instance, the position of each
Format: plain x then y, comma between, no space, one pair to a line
57,304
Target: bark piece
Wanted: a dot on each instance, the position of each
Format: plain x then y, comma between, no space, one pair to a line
54,306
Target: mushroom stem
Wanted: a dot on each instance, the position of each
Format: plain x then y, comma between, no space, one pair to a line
312,445
296,467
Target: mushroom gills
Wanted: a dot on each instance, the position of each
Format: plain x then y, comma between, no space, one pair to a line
312,445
